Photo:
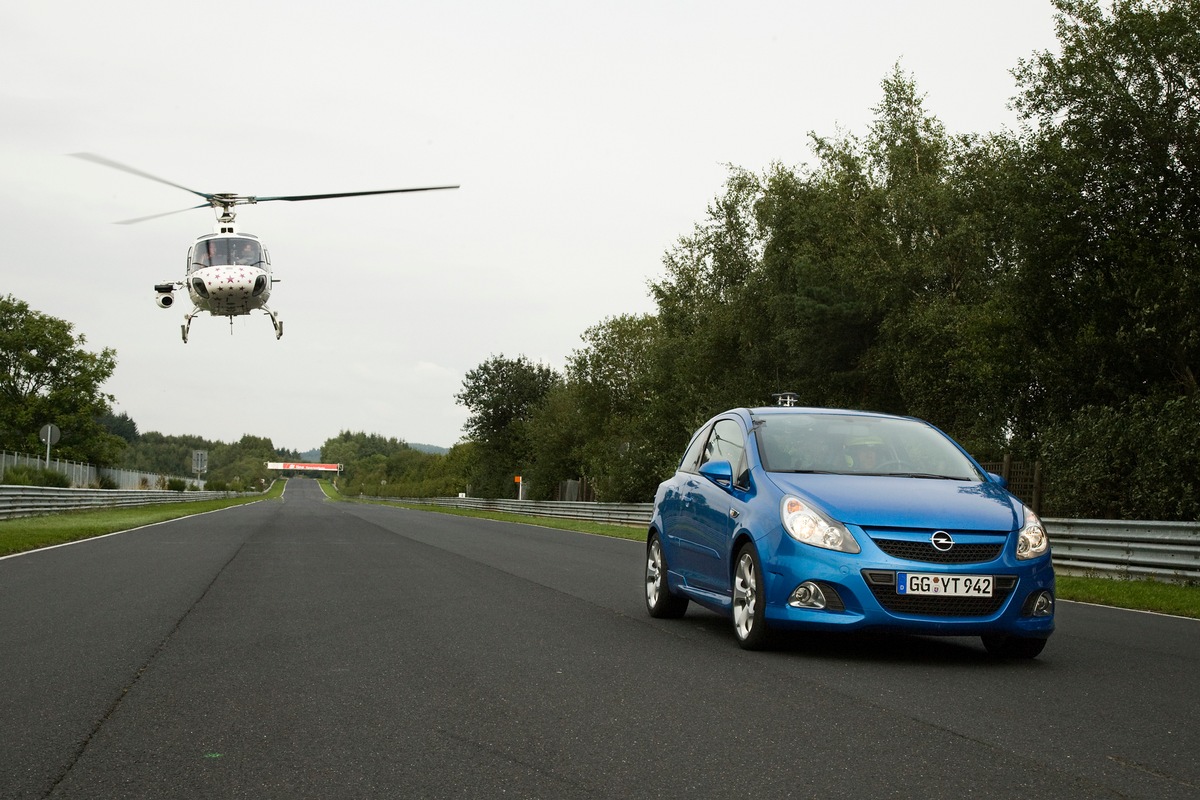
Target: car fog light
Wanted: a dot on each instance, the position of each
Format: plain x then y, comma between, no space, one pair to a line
1043,606
807,595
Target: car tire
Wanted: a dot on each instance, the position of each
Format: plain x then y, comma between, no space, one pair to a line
661,602
1003,646
749,601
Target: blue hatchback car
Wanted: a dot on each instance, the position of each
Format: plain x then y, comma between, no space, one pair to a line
792,518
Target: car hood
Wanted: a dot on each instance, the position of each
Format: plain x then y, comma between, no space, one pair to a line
872,501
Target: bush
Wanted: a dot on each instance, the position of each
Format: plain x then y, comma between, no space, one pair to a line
176,484
1134,461
35,476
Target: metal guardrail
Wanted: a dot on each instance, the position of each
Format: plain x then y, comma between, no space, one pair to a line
1113,548
27,501
612,513
1165,551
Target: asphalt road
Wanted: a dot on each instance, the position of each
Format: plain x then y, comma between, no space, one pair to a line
309,649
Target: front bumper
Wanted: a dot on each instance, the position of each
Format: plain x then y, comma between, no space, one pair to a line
864,595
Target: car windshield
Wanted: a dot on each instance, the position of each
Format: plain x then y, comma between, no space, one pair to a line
847,444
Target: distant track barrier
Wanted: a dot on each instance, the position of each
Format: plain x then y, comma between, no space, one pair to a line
1165,551
27,501
612,513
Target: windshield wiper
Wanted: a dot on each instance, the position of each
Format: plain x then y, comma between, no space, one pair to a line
928,475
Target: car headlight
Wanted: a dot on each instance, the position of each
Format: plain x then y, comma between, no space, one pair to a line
808,525
1032,540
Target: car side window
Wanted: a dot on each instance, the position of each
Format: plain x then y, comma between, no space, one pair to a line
691,459
728,443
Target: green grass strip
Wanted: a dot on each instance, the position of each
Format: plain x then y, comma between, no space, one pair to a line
1165,598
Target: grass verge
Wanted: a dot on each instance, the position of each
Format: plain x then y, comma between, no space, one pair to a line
29,533
1146,595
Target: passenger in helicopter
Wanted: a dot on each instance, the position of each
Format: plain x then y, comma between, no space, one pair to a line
248,254
211,254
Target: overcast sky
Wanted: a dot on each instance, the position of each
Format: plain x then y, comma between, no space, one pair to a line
587,138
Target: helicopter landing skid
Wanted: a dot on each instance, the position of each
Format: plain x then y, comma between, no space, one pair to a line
187,324
276,321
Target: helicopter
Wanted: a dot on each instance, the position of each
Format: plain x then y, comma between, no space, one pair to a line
228,271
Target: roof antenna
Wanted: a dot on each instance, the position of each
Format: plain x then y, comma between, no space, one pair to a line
786,399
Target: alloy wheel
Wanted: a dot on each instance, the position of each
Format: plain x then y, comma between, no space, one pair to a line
654,573
745,596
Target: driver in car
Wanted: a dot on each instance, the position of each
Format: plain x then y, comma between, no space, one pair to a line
864,454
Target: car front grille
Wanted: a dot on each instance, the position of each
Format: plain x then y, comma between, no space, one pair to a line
883,585
927,553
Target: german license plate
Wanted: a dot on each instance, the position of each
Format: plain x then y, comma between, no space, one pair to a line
950,585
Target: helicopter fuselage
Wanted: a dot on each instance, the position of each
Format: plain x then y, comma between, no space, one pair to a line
229,291
228,275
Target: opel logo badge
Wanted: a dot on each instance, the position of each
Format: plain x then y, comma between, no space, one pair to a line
942,541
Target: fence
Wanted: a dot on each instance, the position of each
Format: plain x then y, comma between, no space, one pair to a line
1165,551
88,475
1024,479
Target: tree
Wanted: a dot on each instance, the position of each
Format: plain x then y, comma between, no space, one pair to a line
169,455
47,376
1113,241
709,306
120,425
243,464
876,279
502,395
1110,285
607,420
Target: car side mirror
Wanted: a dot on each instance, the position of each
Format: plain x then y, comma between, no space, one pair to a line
719,472
994,478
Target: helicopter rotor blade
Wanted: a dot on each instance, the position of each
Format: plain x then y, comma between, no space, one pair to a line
164,214
107,162
295,197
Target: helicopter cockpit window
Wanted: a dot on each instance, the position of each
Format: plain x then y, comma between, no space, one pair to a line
224,252
245,251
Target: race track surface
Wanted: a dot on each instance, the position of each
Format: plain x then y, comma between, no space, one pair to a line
301,648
